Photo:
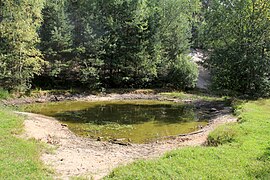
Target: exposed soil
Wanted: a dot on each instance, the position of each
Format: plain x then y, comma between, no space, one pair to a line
77,156
204,77
82,97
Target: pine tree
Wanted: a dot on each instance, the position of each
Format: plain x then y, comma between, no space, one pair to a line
117,43
87,44
56,43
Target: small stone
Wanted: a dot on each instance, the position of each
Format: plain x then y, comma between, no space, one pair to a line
213,110
228,108
40,100
188,101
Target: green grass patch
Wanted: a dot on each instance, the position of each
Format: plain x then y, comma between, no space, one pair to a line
243,152
19,158
195,95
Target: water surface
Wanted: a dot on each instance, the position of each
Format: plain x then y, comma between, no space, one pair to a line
134,121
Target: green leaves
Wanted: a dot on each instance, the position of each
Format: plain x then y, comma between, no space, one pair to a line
19,57
238,34
114,43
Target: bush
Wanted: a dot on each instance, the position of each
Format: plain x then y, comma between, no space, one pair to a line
4,94
222,135
183,74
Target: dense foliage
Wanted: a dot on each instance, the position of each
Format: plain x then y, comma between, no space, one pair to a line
93,43
237,33
134,43
20,59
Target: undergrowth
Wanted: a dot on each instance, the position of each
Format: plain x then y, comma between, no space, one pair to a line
4,94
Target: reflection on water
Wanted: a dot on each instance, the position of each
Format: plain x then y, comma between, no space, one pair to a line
135,121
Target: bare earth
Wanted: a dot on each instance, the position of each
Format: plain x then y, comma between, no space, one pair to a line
204,78
77,156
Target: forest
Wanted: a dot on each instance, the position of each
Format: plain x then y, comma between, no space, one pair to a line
93,44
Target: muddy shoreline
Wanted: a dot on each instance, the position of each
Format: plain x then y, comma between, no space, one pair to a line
82,97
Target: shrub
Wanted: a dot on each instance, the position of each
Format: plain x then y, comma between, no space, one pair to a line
222,135
183,74
4,94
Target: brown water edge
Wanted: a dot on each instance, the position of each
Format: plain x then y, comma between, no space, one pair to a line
135,121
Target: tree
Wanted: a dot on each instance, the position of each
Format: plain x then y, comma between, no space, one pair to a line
56,44
125,39
237,34
70,44
87,34
20,59
176,20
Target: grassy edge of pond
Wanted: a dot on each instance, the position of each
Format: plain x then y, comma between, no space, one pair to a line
19,158
193,95
243,152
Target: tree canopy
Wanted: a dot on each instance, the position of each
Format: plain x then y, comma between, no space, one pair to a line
93,43
237,35
134,43
20,59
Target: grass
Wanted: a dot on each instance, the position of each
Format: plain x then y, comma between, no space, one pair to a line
195,95
242,153
19,158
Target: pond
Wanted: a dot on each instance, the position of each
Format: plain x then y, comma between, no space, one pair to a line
133,121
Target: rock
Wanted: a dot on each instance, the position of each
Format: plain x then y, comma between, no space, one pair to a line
56,98
200,126
40,100
187,101
228,109
213,110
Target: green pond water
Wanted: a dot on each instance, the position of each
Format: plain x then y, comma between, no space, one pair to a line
134,121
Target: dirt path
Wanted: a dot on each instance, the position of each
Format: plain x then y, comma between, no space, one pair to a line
77,156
